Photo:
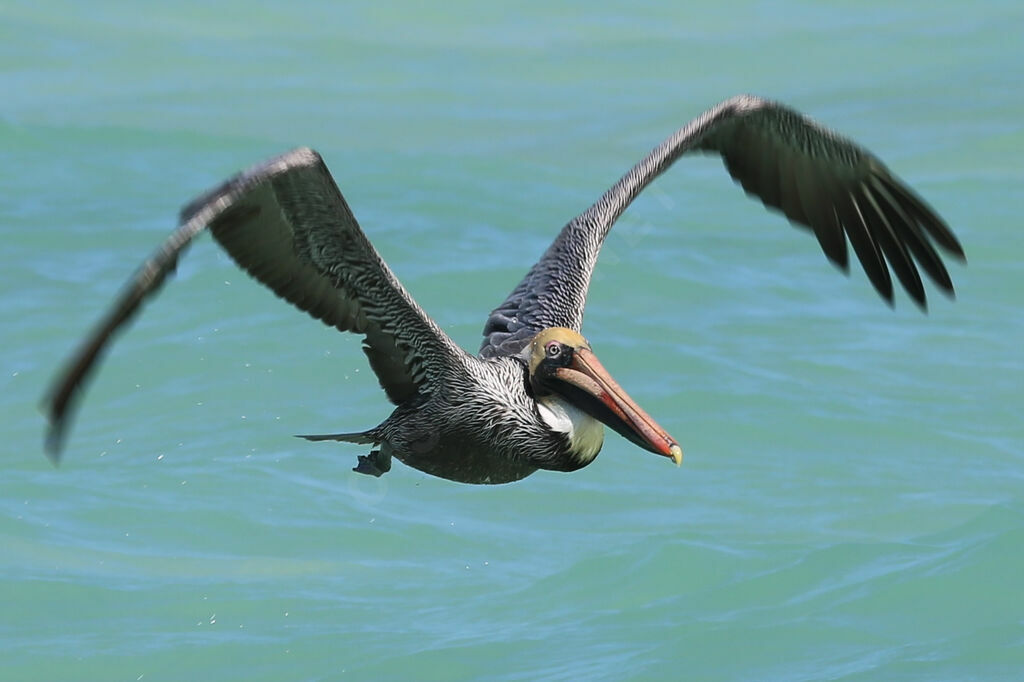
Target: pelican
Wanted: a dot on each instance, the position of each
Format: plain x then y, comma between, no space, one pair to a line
536,396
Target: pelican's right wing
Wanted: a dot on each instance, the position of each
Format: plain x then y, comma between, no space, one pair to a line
286,223
817,178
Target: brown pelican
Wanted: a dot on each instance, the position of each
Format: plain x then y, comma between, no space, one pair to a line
536,396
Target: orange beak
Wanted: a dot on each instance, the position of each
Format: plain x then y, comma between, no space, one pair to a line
591,388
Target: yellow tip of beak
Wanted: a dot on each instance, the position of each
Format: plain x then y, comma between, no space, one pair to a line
676,453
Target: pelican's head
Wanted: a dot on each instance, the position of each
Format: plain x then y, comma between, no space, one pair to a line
567,378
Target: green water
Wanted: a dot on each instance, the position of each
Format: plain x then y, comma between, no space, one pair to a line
852,501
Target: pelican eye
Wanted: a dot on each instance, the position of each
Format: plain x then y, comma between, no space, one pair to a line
553,349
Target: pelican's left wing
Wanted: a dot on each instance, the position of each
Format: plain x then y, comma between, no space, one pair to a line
286,223
817,178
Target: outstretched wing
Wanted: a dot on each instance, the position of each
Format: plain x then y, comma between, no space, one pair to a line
286,223
816,177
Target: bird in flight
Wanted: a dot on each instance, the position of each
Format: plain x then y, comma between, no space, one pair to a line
536,396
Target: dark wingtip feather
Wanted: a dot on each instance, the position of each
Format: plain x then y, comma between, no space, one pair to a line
917,294
905,222
833,244
842,266
868,252
888,240
60,401
958,254
53,444
884,289
926,217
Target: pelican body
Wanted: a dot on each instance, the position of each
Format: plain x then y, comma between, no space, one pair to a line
506,417
536,396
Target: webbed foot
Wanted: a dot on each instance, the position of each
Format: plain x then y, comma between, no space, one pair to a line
374,464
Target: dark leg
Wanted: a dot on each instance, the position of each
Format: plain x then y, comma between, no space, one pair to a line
374,464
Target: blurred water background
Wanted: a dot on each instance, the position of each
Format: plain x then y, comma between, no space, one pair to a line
852,501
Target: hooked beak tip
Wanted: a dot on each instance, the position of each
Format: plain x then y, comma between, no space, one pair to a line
676,453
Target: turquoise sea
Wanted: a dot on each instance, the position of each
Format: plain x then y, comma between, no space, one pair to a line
851,506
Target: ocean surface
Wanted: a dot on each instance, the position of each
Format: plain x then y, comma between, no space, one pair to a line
851,505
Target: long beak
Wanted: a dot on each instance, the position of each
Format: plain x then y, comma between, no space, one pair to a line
592,389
